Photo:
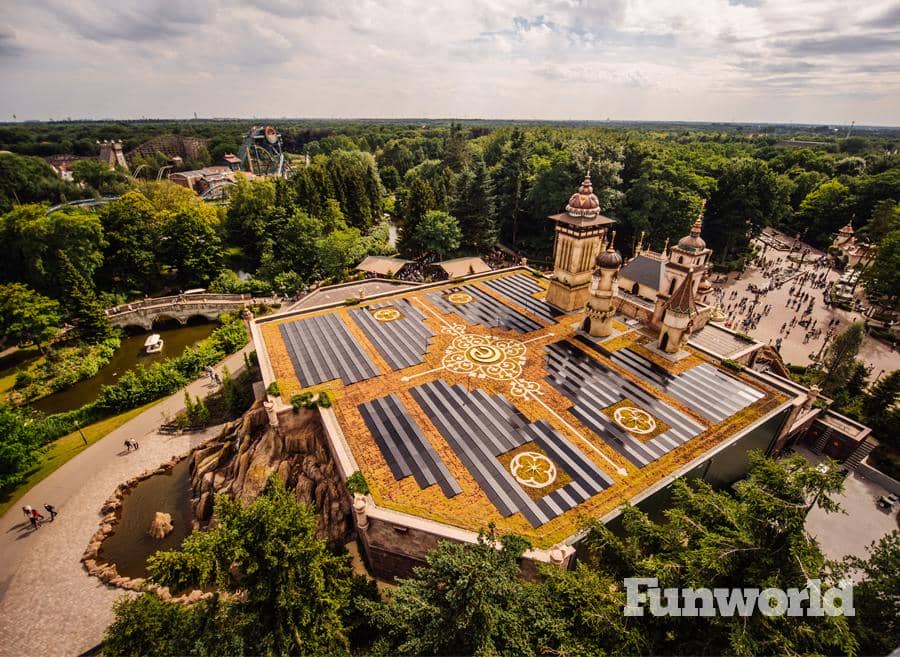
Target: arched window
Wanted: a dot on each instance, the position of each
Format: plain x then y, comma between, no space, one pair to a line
680,260
635,288
672,286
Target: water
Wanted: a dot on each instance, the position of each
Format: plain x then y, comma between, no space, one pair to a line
130,545
176,338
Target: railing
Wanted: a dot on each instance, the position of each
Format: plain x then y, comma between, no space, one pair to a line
178,300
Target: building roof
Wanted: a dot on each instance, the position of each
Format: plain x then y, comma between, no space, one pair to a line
644,269
693,242
473,402
720,341
847,230
459,267
584,203
581,222
682,299
382,265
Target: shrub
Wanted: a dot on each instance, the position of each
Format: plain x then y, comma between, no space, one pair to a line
732,365
273,389
351,301
303,400
324,400
356,483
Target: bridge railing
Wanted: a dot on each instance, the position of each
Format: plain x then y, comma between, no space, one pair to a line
178,300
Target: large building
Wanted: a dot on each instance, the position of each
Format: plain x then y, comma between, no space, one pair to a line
490,399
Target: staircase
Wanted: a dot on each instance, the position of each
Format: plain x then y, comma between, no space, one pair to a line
862,451
819,445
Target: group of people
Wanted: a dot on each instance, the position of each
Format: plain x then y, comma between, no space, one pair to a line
131,444
35,517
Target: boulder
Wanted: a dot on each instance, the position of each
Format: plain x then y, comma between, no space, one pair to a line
161,525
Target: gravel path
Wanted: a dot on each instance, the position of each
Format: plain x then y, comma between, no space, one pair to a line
48,603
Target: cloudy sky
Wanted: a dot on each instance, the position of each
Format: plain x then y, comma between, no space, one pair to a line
824,61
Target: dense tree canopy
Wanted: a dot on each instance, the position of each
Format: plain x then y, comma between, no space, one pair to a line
27,317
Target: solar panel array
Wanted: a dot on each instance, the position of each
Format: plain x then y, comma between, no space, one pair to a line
712,393
484,310
519,289
402,342
322,349
592,387
480,427
404,446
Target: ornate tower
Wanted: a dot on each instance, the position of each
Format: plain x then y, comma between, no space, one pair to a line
689,253
677,321
578,233
599,310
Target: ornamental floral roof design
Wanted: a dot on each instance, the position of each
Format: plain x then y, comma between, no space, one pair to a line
474,401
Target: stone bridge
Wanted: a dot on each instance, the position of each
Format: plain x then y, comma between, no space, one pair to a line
181,308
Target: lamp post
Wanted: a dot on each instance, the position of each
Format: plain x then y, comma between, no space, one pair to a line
78,426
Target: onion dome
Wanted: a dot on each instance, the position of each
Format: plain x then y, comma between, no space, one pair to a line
846,230
609,258
584,203
693,242
704,286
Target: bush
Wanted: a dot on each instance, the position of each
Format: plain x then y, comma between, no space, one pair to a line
356,483
303,400
273,389
324,400
351,301
732,365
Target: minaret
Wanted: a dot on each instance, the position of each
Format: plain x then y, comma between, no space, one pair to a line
678,319
578,233
689,253
599,310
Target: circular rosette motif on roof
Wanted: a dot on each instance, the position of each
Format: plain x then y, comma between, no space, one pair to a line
533,469
634,420
485,356
460,298
386,314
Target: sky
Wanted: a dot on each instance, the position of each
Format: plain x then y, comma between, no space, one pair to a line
805,61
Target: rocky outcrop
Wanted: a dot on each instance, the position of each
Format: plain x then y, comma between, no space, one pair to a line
161,525
240,461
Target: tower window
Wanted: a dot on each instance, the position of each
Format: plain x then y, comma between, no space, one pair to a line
672,286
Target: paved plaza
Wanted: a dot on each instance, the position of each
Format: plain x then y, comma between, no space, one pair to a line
876,354
48,604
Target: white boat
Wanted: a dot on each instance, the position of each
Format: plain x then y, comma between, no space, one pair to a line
153,344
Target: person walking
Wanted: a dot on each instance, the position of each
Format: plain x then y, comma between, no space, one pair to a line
52,511
36,517
27,511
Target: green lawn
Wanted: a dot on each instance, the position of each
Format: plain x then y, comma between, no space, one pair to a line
11,364
63,449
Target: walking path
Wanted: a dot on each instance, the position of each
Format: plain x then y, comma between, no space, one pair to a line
48,604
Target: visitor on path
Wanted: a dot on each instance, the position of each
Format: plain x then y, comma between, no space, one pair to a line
52,511
36,518
128,444
33,521
27,511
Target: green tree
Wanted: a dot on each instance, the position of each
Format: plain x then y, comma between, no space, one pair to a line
466,600
752,535
473,208
132,232
456,149
99,176
27,317
285,581
19,449
876,597
839,359
192,246
824,211
439,233
32,240
880,410
31,180
413,201
747,198
339,251
880,278
298,245
85,307
885,219
511,186
250,213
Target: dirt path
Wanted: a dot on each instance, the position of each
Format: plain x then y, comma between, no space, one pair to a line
48,603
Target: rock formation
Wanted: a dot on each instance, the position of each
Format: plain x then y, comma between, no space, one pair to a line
161,525
240,461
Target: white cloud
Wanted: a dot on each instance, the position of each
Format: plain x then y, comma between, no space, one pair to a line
746,60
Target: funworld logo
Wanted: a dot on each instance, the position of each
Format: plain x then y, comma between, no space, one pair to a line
808,601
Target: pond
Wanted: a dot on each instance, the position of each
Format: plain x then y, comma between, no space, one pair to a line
130,545
176,339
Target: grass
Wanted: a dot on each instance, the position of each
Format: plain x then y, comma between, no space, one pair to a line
65,448
12,363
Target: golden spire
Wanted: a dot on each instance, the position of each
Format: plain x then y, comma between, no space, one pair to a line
665,246
611,240
640,246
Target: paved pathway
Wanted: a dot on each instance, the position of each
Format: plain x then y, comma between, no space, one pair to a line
876,354
48,603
